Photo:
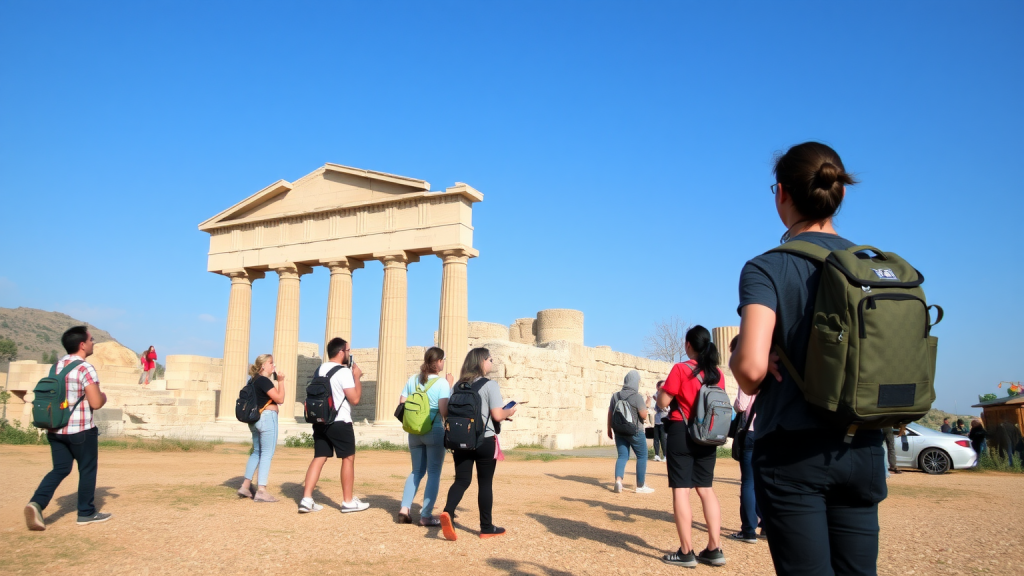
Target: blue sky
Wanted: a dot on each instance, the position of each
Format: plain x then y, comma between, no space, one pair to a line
624,151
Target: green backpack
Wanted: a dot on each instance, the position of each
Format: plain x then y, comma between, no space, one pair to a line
871,355
416,418
50,401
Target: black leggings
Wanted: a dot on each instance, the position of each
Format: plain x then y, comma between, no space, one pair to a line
485,465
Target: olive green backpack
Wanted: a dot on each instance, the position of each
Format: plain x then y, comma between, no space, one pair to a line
871,355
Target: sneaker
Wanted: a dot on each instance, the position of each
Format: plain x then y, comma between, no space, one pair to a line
712,557
743,538
356,505
34,516
492,532
618,486
94,519
307,505
446,527
645,489
761,535
677,558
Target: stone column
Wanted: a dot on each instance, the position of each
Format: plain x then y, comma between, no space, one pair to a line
339,299
286,331
236,341
722,337
393,328
453,322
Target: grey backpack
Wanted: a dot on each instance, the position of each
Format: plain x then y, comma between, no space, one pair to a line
710,416
624,416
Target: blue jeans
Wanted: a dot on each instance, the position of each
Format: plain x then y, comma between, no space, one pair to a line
749,512
638,442
427,459
264,442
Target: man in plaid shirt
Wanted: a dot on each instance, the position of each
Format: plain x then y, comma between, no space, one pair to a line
76,442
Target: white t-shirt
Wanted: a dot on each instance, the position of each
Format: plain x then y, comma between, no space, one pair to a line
341,380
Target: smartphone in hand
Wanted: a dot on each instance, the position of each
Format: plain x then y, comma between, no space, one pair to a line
510,404
273,376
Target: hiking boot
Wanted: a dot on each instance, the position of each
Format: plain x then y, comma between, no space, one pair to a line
446,527
741,537
307,505
492,532
356,505
645,489
34,516
618,486
677,558
713,557
94,519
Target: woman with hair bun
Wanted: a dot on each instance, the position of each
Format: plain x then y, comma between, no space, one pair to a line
264,431
818,494
692,465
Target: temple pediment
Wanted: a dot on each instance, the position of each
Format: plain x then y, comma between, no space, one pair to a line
330,187
339,212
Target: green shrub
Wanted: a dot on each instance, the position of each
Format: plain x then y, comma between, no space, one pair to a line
303,440
991,461
384,445
15,434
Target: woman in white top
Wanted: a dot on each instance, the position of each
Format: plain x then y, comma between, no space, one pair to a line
427,450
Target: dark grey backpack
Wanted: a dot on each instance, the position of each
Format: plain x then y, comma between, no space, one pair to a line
710,416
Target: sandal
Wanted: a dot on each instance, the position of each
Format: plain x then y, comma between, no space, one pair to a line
404,518
430,522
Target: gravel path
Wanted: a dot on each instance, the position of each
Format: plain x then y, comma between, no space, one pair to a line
176,513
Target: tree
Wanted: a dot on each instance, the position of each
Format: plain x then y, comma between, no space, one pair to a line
8,350
667,341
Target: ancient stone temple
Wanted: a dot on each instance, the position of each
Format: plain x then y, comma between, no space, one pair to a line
339,217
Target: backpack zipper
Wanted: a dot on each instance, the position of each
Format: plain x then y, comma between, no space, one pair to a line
869,303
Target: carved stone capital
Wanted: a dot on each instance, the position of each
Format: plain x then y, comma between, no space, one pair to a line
291,270
455,253
396,259
341,265
243,275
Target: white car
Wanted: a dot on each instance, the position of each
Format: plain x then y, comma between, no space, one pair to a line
932,451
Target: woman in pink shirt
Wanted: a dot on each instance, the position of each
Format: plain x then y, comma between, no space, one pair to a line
148,360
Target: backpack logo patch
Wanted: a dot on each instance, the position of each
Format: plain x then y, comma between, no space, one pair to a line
885,274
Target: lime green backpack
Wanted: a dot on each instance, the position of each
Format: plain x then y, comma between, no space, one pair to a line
871,355
416,418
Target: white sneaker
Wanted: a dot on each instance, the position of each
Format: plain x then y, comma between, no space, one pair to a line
618,486
356,505
307,505
657,458
644,490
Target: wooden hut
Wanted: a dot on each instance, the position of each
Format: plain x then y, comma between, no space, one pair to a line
1009,409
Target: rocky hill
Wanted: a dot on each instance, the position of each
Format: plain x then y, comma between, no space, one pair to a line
38,332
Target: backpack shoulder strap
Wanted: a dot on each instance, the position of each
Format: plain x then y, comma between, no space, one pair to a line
330,373
802,248
429,384
64,376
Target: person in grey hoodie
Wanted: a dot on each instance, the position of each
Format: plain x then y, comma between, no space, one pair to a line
633,410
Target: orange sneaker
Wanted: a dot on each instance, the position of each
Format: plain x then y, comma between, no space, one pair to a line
446,527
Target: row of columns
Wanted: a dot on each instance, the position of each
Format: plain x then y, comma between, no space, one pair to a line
452,325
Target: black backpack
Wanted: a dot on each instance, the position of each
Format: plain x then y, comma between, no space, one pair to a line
319,406
463,428
246,409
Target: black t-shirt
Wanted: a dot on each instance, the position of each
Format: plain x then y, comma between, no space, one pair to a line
262,384
787,284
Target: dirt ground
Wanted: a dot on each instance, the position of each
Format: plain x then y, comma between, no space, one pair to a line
177,513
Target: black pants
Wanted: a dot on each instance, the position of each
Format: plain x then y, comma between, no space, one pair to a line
485,465
819,500
66,449
660,441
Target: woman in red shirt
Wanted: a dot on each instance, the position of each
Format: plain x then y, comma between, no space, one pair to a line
692,465
148,360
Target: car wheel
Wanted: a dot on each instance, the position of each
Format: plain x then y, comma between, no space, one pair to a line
935,461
